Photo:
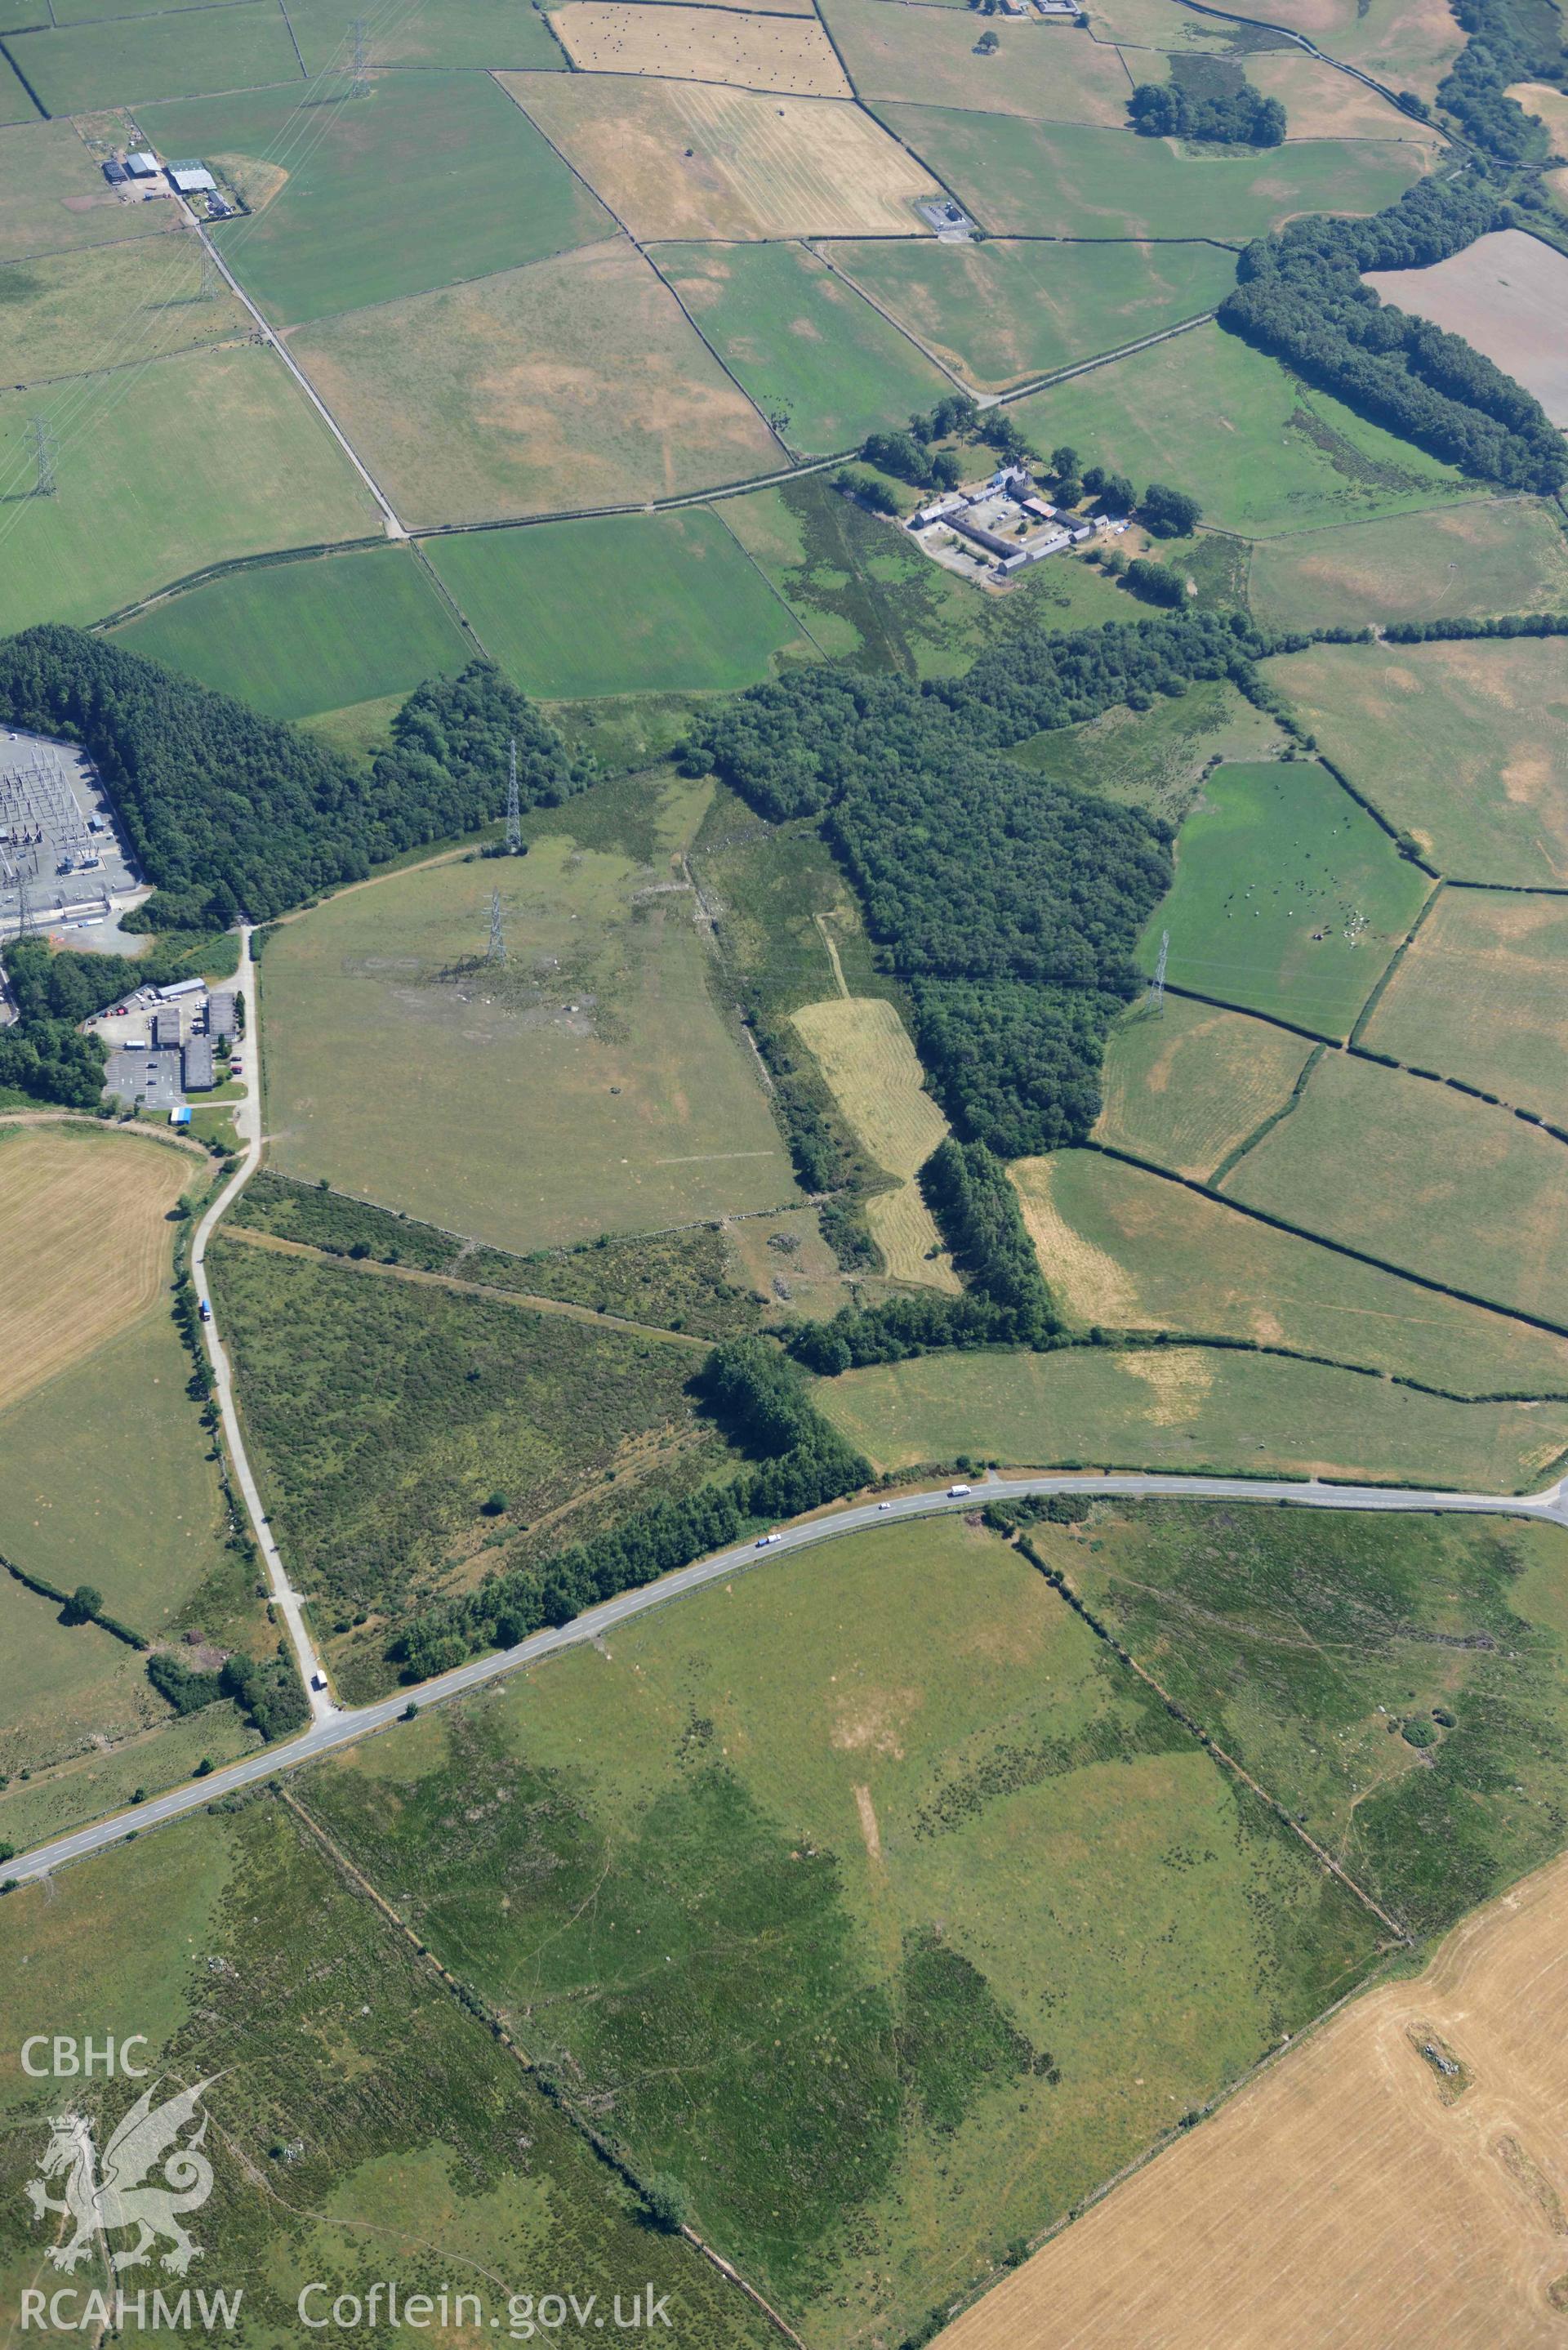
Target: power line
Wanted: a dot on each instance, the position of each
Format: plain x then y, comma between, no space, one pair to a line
497,933
359,87
46,450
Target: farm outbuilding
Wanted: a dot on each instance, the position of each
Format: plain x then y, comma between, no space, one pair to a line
191,180
141,165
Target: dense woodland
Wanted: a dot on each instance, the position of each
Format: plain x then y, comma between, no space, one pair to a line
1510,41
1243,118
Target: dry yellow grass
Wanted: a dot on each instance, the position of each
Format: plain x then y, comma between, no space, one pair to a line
1353,2194
1185,1089
702,44
83,1244
691,159
864,1052
904,1229
1551,104
1087,1281
1323,103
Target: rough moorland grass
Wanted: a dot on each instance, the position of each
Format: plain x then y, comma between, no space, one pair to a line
1055,73
1470,561
1023,179
998,313
101,1780
1188,1407
296,638
1465,746
1128,1250
131,60
53,197
1306,1647
1287,898
1259,452
436,33
64,312
575,383
362,2121
1404,44
649,604
1421,1176
1479,996
1156,758
195,460
847,1891
822,365
1186,1085
465,176
595,1088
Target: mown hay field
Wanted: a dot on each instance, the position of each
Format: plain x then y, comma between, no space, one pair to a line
66,312
1054,73
134,60
1465,746
1187,1085
1505,296
863,1049
1479,996
1486,556
687,160
576,382
701,44
53,197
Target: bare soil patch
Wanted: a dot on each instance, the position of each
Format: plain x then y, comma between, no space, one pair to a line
1508,295
702,44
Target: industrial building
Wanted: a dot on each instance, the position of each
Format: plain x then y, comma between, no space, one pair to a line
199,1069
168,1029
220,1018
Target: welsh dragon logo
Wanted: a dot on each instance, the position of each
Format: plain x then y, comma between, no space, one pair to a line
103,2199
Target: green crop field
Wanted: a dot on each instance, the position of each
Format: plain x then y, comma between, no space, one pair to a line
1038,179
1421,1176
572,384
596,1088
1155,759
296,638
1400,1684
53,197
851,1887
1201,1408
1128,1250
430,176
1479,996
132,60
436,33
1289,899
636,604
1055,73
100,307
1472,561
1187,1085
1465,746
191,462
999,313
825,368
1228,424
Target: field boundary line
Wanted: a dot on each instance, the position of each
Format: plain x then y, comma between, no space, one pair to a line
304,68
712,350
1233,1159
771,585
814,246
1352,1042
447,597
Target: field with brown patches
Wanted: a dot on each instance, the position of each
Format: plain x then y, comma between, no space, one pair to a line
1479,996
1539,98
1323,103
1487,557
1188,1088
689,159
1086,1280
701,44
84,1244
864,1052
927,58
1355,2191
1408,44
1507,296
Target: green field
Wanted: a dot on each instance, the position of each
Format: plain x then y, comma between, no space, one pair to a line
1318,1652
653,604
597,1089
1055,73
1038,179
572,384
1188,1407
1289,899
849,1888
110,304
1228,424
1487,556
436,33
53,197
1419,1176
1155,759
132,60
1186,1086
825,368
999,313
430,176
1479,996
16,106
90,1785
295,638
190,462
1464,747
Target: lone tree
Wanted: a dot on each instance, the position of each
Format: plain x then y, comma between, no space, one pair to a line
83,1604
666,2200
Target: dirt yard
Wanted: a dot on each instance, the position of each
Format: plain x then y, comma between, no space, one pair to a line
702,44
1506,294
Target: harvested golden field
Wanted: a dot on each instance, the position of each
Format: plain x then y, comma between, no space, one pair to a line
864,1052
84,1243
1323,103
1188,1088
1507,295
689,159
701,44
1357,2192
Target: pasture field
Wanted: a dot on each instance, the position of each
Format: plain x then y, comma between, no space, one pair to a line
16,106
414,2145
1127,1250
1421,1176
1052,72
436,33
1187,1087
1479,996
1406,44
863,1049
100,1780
597,1089
1464,747
1540,98
1322,103
1136,25
63,1686
941,1858
1155,759
292,638
53,197
190,461
1288,899
634,604
822,365
1020,179
134,60
1282,457
1487,557
997,313
1201,1408
686,159
1505,295
473,186
68,312
576,382
701,44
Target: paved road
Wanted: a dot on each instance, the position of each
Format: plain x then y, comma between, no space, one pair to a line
343,1727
